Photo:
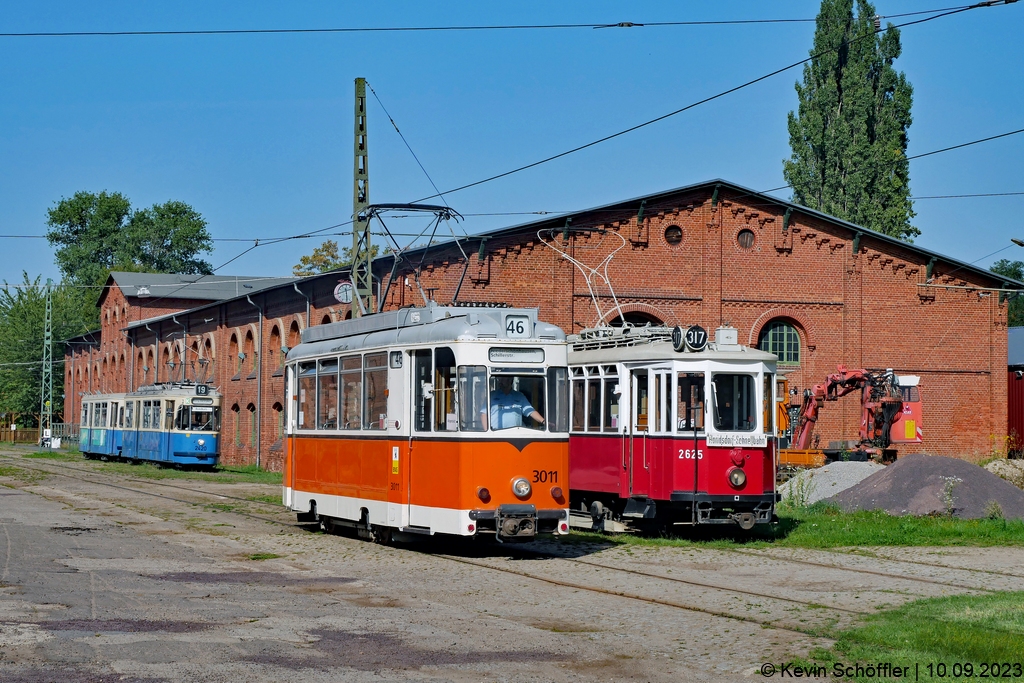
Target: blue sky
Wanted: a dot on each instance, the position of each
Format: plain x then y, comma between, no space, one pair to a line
255,131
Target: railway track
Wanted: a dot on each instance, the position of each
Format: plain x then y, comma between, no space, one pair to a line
76,473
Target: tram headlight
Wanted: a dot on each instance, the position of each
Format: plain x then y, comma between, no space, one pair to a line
737,477
201,442
521,487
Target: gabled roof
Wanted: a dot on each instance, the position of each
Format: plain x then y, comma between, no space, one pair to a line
198,287
559,220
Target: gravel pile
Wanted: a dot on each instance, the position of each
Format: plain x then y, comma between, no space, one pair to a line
917,485
1010,470
810,486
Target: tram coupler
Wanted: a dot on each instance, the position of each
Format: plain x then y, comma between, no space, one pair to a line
515,522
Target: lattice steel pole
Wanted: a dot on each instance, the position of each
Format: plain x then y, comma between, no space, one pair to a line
46,388
362,278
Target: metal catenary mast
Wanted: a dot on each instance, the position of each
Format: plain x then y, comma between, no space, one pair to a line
46,388
362,276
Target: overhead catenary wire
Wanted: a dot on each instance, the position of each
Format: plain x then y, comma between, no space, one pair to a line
441,28
711,98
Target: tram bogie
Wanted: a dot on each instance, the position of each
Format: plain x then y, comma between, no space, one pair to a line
174,424
666,437
420,421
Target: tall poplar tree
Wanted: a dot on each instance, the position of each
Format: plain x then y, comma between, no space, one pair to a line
849,133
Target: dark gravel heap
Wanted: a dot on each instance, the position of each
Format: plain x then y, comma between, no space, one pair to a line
913,485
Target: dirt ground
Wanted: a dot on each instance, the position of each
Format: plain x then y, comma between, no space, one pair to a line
111,578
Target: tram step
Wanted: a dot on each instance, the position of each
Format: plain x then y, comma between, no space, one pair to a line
584,522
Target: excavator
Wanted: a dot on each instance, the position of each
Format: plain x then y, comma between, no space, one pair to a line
890,414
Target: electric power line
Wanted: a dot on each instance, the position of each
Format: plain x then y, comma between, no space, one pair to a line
958,10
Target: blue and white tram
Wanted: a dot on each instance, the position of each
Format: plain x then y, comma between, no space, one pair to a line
166,423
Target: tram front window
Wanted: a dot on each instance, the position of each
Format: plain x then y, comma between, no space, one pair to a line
205,418
734,401
516,401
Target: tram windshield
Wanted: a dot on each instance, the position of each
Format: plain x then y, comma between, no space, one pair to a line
198,419
734,402
515,401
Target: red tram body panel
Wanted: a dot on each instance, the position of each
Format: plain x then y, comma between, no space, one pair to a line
677,437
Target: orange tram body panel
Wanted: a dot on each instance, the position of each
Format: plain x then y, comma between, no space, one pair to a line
669,428
449,420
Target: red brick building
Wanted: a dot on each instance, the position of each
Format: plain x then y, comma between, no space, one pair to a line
816,290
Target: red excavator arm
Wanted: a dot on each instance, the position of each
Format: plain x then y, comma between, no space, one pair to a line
881,405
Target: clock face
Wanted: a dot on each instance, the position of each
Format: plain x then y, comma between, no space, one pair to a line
343,292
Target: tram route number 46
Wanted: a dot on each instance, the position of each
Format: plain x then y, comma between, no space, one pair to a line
517,326
544,476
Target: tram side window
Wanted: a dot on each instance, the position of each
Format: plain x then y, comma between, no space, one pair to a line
472,398
734,400
120,417
351,392
768,407
129,412
307,395
611,405
147,414
85,415
168,415
327,394
375,387
690,401
579,400
444,390
422,387
593,404
101,416
181,420
558,400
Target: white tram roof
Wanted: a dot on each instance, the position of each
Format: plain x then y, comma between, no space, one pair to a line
432,324
637,344
175,388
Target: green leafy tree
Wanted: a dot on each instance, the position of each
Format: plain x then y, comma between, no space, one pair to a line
849,133
22,312
1015,270
326,258
97,233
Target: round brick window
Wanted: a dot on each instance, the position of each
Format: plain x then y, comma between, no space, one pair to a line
673,235
745,239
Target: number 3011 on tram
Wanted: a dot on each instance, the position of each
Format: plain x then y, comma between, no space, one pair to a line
444,419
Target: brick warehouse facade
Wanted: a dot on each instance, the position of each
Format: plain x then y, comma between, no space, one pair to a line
708,254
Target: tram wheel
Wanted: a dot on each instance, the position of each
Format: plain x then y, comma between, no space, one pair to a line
380,534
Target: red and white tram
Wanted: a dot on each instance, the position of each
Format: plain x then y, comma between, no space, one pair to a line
668,428
441,419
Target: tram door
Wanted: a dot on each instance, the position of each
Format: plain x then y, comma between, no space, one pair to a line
638,471
650,441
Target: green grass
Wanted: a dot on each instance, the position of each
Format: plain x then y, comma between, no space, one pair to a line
52,455
823,526
963,628
272,499
248,474
264,556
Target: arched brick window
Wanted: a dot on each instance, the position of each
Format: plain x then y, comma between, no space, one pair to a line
233,352
235,423
274,354
326,319
253,436
278,421
250,351
781,337
294,336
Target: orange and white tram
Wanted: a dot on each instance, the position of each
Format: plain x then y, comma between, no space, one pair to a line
444,419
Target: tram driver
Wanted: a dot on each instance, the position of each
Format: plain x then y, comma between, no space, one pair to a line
509,406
